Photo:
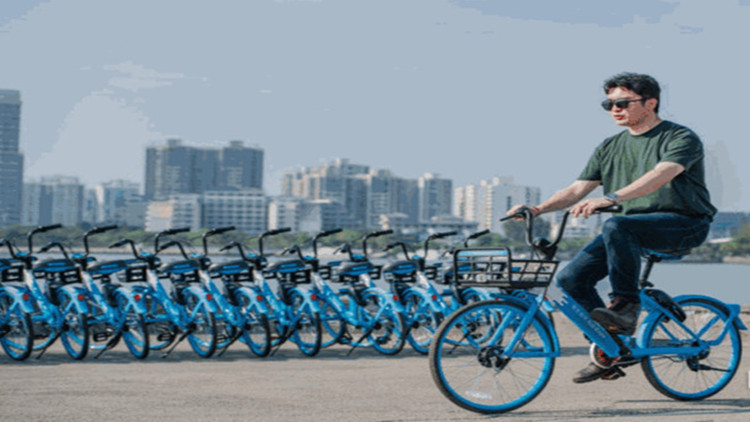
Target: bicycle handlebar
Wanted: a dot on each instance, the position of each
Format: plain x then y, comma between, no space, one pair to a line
549,248
213,232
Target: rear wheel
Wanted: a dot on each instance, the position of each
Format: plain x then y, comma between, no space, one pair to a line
15,329
693,376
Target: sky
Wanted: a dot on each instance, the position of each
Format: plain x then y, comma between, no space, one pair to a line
467,89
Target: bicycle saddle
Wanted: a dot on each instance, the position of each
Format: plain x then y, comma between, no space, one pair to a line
665,255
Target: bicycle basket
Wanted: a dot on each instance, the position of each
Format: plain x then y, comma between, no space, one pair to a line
291,271
496,268
11,272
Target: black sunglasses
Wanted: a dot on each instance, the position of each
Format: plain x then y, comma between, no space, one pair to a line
622,104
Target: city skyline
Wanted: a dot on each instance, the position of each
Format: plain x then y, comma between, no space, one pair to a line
463,88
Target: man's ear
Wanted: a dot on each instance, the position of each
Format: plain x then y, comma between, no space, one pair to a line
651,103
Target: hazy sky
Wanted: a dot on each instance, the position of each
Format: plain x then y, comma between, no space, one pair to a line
469,89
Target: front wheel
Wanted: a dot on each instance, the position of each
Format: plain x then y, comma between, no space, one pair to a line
257,331
423,320
694,376
134,332
202,326
307,330
75,329
15,330
473,365
385,324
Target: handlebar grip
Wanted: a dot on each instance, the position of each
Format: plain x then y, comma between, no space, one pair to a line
477,234
166,245
278,231
177,230
220,230
43,229
615,208
330,232
119,243
445,234
46,247
381,233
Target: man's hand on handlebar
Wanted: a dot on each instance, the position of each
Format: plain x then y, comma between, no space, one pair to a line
516,209
588,207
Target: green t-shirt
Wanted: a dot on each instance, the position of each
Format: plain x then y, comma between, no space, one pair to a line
623,158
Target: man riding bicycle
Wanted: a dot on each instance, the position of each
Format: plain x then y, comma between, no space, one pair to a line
655,170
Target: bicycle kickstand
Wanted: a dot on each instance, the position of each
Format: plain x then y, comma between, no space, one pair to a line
182,337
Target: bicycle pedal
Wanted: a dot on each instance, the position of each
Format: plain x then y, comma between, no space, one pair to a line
613,374
101,336
165,337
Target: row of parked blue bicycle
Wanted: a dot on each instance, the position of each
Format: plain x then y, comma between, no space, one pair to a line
154,306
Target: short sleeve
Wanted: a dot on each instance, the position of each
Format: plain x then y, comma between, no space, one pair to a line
684,150
593,169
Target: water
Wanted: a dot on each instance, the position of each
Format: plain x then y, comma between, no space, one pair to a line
726,282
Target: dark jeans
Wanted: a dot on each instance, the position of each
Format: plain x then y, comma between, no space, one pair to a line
616,253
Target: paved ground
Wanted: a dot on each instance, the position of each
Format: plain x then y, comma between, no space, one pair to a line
332,386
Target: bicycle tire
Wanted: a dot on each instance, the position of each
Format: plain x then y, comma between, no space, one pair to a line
690,378
256,333
307,332
479,376
423,320
75,330
134,330
18,339
203,338
332,322
387,326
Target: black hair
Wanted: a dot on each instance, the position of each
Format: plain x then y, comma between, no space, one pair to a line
643,85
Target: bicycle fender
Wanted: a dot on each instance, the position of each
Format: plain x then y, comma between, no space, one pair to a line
539,314
733,310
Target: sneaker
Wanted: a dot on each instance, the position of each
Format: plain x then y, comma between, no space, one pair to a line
591,373
621,317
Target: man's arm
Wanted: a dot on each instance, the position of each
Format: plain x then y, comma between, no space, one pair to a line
655,178
563,198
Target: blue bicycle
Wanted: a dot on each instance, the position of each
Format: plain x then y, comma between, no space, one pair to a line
359,314
292,311
240,315
53,287
495,356
115,310
175,301
16,336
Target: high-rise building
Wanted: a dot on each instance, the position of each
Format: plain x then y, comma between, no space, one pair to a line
435,196
175,168
177,211
116,201
11,160
488,201
245,209
241,166
53,200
